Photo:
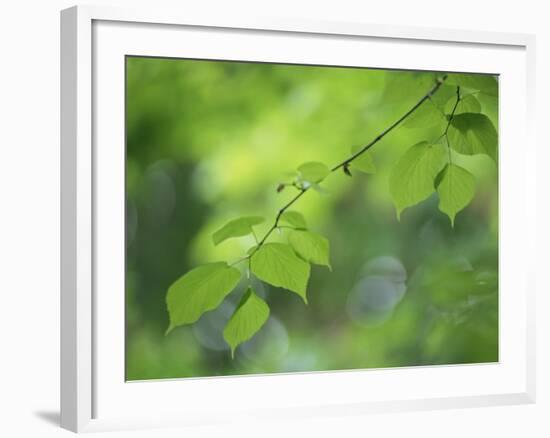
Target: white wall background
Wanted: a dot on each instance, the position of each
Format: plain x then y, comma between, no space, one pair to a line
29,215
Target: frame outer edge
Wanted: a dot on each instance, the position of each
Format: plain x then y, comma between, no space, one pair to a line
76,218
185,17
68,220
76,336
534,281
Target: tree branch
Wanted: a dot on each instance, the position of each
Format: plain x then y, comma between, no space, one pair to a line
365,148
344,164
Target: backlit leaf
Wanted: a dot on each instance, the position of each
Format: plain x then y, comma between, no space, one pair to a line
404,87
412,177
198,291
312,247
236,228
294,219
319,189
313,171
466,104
472,133
489,107
480,82
363,162
426,116
278,265
456,188
443,94
249,317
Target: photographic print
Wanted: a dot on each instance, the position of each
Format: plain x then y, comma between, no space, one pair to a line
296,218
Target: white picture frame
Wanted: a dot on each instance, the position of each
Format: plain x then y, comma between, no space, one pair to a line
94,395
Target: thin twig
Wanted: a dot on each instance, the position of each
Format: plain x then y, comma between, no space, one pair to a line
446,133
458,99
365,148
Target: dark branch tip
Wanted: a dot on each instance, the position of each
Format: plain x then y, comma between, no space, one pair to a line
345,167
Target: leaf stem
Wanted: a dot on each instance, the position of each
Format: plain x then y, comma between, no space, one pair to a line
254,234
446,133
458,99
344,164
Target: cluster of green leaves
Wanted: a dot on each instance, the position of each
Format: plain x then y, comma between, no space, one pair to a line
284,265
425,168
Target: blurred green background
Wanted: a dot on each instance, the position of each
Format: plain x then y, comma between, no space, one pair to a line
209,141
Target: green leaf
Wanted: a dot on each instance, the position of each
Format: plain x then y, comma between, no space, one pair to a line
198,291
294,219
236,228
466,104
442,96
363,162
472,134
489,107
249,317
313,171
481,82
405,87
412,177
312,247
319,189
456,188
278,265
427,116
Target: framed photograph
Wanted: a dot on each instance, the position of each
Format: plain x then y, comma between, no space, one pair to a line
279,218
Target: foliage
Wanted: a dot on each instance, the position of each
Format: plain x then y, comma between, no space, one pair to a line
277,264
456,187
251,314
310,246
472,134
198,291
313,172
236,228
412,178
364,162
294,218
450,129
425,167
